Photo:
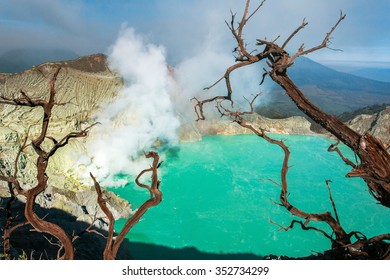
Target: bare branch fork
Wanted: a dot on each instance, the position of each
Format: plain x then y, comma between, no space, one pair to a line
89,228
243,58
332,201
113,244
66,250
334,148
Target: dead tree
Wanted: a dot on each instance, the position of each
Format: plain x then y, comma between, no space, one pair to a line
65,242
374,166
66,249
113,244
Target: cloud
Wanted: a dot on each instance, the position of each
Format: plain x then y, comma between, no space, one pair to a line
57,14
182,26
50,24
366,25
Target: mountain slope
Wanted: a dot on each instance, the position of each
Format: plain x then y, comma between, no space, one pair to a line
379,74
308,72
334,92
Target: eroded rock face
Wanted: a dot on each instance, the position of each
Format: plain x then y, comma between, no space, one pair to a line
378,125
292,125
84,85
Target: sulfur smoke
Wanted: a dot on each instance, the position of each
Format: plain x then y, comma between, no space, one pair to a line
155,100
142,117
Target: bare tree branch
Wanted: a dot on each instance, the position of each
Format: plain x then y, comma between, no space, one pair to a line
64,141
325,42
107,254
334,148
304,23
243,58
332,201
112,245
303,226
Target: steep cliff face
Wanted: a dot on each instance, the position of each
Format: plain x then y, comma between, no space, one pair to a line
378,125
84,85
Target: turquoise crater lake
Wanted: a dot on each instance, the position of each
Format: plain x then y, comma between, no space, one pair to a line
217,198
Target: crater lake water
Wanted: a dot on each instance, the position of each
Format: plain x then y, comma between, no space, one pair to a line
219,199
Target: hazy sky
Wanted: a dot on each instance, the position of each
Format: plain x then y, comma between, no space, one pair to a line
183,26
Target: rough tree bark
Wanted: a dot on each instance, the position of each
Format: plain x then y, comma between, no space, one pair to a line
374,166
66,249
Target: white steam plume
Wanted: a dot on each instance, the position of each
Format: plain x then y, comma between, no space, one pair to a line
148,106
207,65
143,112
